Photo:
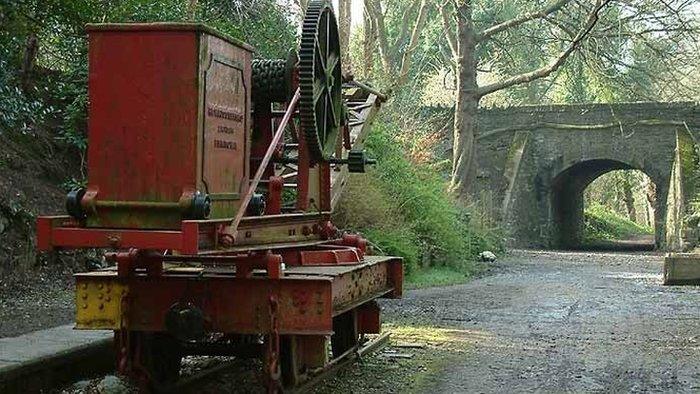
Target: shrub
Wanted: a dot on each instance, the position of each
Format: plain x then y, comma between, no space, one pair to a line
601,223
367,209
405,209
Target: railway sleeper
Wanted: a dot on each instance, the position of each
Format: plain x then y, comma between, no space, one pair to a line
152,360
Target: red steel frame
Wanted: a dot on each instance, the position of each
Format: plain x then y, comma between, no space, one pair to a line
325,276
308,298
301,301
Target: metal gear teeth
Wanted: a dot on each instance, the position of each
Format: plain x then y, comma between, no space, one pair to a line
270,82
307,50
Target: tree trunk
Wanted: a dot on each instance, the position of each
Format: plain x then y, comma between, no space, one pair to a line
369,43
466,106
651,201
31,48
344,24
374,8
303,5
412,43
628,198
191,9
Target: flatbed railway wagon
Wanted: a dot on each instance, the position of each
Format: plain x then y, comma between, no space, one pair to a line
211,180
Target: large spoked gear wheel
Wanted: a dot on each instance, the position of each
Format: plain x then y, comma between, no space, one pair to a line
320,80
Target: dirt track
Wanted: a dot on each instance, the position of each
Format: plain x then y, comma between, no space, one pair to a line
542,322
566,322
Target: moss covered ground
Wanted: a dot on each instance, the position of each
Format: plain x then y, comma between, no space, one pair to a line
411,363
602,224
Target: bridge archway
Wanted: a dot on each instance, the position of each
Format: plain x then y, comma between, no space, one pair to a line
530,157
567,201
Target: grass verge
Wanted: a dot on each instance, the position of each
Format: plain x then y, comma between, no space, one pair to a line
437,276
413,361
601,224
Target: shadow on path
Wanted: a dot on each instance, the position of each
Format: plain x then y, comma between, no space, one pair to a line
639,243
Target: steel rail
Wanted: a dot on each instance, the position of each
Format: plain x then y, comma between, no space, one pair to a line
343,361
333,367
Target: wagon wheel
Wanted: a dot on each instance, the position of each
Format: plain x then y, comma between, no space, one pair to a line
155,359
320,80
301,356
345,335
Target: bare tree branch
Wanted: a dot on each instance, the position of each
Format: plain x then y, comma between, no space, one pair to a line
395,62
374,8
405,27
449,29
554,65
447,56
521,19
415,35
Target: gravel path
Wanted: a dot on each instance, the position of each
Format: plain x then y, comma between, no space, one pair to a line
43,299
566,322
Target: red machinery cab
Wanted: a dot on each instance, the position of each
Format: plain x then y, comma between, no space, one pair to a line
169,125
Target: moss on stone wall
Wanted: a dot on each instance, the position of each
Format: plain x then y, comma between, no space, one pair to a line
635,135
689,156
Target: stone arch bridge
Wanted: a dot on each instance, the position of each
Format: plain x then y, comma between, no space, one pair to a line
534,163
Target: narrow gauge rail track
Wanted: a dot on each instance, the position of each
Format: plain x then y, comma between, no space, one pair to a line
193,382
89,361
343,361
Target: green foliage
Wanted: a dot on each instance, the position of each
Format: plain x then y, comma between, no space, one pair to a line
401,241
690,167
73,184
603,224
54,94
19,110
368,209
438,276
641,50
629,193
404,208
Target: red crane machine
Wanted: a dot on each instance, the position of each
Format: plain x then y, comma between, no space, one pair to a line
212,178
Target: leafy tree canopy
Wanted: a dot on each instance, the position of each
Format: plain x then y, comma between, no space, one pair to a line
43,49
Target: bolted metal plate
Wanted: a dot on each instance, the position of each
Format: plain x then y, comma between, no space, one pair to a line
98,302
